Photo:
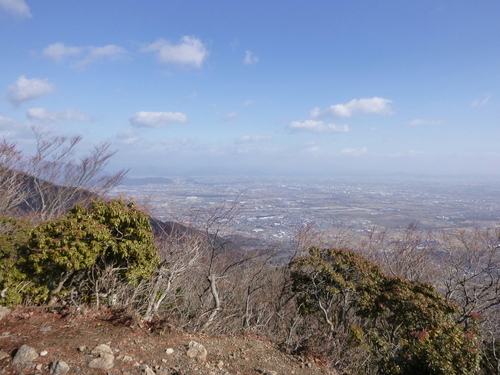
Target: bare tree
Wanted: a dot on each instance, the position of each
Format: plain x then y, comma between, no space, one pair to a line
180,252
11,177
54,179
411,253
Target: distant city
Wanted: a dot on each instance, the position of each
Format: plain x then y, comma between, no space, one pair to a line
270,209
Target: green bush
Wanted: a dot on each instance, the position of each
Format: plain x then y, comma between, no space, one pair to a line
108,234
13,281
408,327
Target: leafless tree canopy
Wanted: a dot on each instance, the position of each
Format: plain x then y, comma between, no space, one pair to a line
54,178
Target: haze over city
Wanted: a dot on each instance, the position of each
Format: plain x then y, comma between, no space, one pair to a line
241,87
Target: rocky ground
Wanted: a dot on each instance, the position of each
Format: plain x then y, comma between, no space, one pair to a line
40,341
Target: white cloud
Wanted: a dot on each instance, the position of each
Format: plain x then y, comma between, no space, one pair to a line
317,127
247,103
189,52
108,52
375,105
483,101
127,137
250,58
58,51
7,120
355,151
12,129
252,138
230,116
156,119
26,89
417,122
41,114
17,7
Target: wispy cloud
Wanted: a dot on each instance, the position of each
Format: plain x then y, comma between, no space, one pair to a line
310,149
375,105
109,52
230,116
418,122
18,8
59,52
354,151
42,115
127,137
247,103
252,138
415,152
250,58
189,52
483,101
190,97
156,119
313,126
27,89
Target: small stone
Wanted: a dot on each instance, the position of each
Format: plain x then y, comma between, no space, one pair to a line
43,353
4,311
3,355
46,329
81,348
25,354
58,368
169,351
164,360
196,350
39,367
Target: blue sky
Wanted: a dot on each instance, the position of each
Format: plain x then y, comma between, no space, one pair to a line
271,87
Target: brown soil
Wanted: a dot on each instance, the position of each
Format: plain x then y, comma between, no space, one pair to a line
70,336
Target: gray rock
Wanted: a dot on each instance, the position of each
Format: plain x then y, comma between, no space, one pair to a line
103,348
58,368
4,311
25,354
197,351
106,358
104,362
